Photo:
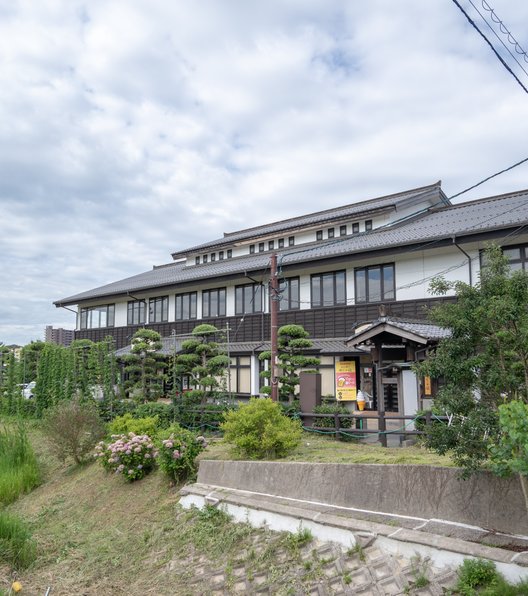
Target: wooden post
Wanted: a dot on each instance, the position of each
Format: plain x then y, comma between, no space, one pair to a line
382,427
337,425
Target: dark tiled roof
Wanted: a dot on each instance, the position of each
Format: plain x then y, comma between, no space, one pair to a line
323,346
427,331
461,220
358,210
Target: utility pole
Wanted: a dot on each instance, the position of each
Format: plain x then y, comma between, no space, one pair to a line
274,311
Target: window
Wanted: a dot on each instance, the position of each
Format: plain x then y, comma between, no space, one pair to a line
355,228
517,257
261,246
229,253
289,293
213,257
197,260
159,309
374,284
291,240
95,317
186,306
271,245
221,255
319,235
251,249
331,232
136,311
214,303
248,298
342,230
328,289
204,259
368,225
281,242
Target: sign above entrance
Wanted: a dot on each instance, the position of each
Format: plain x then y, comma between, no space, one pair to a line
345,381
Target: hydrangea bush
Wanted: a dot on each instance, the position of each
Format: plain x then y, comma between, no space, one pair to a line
177,452
132,455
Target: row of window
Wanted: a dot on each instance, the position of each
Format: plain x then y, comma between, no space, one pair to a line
261,246
281,242
221,254
373,284
343,230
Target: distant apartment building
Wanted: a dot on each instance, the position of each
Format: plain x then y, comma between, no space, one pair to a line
60,336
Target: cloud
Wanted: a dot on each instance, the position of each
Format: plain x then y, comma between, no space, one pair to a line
133,129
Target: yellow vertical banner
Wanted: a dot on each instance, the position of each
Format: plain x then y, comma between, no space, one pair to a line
345,380
427,386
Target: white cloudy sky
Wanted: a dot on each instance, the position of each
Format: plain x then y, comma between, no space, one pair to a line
132,128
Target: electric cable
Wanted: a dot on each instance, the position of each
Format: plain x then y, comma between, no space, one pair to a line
502,61
505,30
498,37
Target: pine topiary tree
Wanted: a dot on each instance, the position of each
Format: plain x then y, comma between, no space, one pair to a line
204,362
144,366
293,341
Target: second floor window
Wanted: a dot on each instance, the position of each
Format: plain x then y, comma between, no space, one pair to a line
248,299
328,289
95,317
355,228
136,311
374,284
214,303
319,235
289,293
159,309
342,230
186,306
281,242
368,225
331,232
291,240
251,249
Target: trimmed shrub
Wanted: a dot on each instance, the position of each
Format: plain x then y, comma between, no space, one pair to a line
125,424
73,428
16,545
110,410
329,422
178,450
260,430
163,412
133,456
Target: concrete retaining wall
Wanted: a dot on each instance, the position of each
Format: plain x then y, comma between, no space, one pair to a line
417,491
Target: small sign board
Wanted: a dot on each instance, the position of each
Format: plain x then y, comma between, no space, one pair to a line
427,386
345,381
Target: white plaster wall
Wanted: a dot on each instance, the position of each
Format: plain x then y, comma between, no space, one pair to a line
304,291
121,314
425,265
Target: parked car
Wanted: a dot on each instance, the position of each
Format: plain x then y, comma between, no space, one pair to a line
28,389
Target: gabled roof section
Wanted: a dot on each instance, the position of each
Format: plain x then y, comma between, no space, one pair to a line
355,210
418,331
456,222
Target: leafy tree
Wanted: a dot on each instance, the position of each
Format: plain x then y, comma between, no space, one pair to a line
144,365
203,360
509,452
484,361
293,341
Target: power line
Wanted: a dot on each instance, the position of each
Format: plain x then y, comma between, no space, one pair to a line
474,25
505,31
489,177
497,36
